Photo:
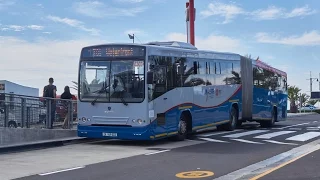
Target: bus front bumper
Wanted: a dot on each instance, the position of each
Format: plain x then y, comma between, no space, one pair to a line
114,132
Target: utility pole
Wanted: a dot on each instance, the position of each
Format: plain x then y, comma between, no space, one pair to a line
311,80
190,18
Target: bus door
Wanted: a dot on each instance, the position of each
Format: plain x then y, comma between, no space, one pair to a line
160,98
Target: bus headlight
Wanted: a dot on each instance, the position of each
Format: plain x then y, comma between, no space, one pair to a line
140,121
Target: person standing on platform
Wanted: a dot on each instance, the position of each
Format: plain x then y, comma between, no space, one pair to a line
49,92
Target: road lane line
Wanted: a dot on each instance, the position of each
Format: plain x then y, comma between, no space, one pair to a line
247,141
64,170
278,142
273,134
218,133
258,168
279,166
157,152
304,137
293,125
213,140
296,129
236,135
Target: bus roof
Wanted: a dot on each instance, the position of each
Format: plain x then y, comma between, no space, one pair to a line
186,49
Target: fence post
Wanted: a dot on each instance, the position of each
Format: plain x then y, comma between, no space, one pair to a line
28,117
23,105
48,120
6,115
70,111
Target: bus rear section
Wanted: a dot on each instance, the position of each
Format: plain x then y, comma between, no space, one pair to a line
112,93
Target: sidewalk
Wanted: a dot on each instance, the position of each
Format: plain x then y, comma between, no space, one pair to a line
299,114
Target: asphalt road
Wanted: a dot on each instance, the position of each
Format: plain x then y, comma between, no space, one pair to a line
216,154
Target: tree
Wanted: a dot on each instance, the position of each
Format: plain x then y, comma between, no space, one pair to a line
293,96
75,85
312,102
304,99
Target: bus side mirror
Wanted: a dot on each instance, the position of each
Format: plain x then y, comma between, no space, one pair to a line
150,77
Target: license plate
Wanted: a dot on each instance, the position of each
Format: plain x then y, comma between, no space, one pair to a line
110,134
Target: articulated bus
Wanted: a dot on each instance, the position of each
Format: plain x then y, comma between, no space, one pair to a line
172,89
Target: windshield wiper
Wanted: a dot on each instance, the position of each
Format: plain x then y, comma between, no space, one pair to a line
102,90
122,99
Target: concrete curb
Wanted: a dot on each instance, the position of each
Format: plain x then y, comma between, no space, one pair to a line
291,115
40,144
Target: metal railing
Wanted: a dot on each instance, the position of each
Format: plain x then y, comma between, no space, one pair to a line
18,111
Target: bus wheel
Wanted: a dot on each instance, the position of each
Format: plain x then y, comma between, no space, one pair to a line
233,120
182,128
270,123
232,124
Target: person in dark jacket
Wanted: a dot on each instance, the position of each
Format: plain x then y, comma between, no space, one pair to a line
67,96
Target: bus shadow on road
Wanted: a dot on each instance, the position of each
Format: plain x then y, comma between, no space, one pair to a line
117,142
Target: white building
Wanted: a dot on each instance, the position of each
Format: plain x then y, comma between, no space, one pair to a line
13,88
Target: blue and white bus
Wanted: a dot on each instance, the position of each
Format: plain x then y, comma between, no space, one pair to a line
163,89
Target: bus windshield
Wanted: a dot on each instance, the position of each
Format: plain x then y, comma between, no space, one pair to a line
112,81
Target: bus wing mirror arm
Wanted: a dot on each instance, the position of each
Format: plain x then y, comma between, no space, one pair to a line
150,77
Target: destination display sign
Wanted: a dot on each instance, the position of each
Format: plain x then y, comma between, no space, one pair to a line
113,51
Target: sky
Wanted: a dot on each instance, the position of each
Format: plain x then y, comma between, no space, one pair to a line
42,39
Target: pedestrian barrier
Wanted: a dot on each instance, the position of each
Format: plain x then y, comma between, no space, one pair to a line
18,111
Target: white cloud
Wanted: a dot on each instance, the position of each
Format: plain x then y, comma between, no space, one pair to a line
16,27
19,28
227,11
98,9
212,42
36,27
302,11
231,11
47,32
41,59
73,23
273,12
307,39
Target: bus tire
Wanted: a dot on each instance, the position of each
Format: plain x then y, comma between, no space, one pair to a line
182,128
233,120
232,124
268,124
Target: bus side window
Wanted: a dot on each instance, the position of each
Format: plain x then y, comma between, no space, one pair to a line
195,67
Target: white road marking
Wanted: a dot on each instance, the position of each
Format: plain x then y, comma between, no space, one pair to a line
246,141
297,129
265,165
277,142
64,170
293,125
213,140
273,134
157,152
304,137
218,133
245,133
